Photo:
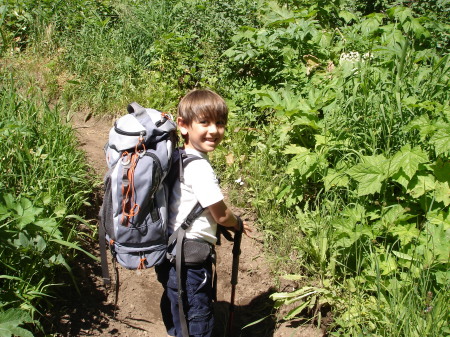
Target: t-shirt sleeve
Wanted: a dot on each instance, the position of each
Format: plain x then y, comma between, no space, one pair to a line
204,182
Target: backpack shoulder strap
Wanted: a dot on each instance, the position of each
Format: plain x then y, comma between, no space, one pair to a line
178,236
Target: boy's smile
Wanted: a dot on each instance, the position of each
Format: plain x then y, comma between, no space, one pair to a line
202,135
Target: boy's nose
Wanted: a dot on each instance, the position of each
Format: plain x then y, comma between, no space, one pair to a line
212,128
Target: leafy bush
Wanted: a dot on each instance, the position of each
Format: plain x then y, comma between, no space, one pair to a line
362,118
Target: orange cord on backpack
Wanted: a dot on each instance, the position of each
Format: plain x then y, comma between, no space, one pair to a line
142,263
129,206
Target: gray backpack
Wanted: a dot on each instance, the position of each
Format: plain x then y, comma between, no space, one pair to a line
133,216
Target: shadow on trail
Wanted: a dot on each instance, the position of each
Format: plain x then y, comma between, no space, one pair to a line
75,313
254,319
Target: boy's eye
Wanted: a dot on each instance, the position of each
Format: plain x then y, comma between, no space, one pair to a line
221,123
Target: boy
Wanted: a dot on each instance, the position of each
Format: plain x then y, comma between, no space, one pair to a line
202,118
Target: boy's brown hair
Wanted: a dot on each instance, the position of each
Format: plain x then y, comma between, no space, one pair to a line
202,103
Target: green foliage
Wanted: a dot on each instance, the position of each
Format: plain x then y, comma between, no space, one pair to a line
10,322
361,115
44,180
339,137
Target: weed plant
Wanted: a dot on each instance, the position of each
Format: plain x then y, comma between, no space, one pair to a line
44,183
359,147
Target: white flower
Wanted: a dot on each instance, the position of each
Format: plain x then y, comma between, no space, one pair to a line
239,181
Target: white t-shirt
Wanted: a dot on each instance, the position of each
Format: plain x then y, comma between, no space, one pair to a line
200,184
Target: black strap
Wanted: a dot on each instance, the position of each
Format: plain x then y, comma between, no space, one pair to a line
116,285
105,217
178,235
103,257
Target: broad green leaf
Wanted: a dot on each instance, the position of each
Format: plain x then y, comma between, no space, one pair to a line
388,265
441,170
372,22
406,233
50,226
416,27
4,213
334,178
443,277
441,141
392,214
355,213
403,13
22,241
304,163
423,125
347,16
421,184
27,213
436,242
308,120
47,199
442,192
401,178
10,321
60,211
41,244
369,174
9,201
408,160
295,149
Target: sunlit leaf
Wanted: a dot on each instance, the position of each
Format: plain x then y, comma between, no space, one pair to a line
50,226
421,184
441,141
293,277
388,265
406,233
403,256
335,179
442,192
437,242
408,160
369,174
392,214
347,16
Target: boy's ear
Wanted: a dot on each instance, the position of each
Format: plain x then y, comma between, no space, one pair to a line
182,126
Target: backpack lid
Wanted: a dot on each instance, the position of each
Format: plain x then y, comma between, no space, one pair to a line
150,124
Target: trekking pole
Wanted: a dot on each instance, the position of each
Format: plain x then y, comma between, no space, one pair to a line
234,273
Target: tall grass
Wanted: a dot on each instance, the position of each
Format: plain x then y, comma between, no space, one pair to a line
44,182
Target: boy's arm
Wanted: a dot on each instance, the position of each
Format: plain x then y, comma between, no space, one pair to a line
225,217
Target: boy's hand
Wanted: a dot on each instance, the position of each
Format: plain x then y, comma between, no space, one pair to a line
224,216
242,226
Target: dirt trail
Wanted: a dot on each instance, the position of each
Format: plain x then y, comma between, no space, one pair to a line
138,304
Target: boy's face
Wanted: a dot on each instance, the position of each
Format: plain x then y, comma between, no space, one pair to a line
202,135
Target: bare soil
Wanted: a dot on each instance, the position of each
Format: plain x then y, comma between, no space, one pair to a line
92,313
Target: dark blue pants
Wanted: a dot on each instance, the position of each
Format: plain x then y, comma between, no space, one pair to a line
198,308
